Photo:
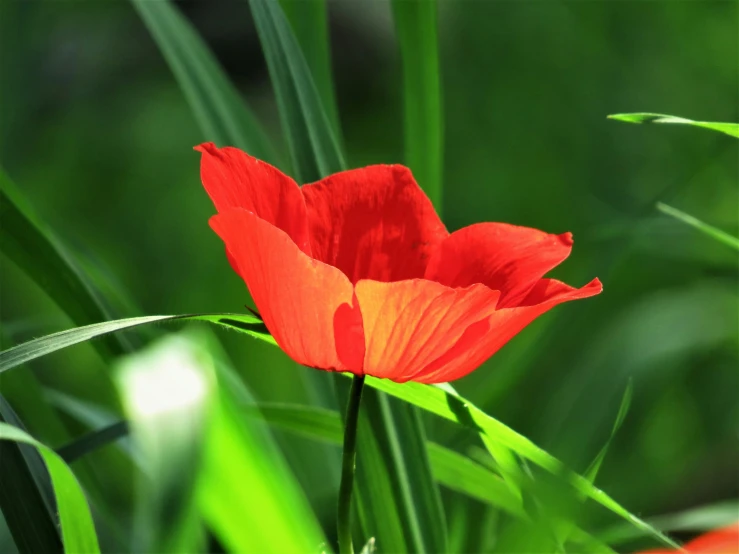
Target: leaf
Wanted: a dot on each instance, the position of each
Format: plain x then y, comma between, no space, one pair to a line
436,400
313,147
51,343
695,520
256,457
731,129
592,472
309,421
461,474
452,470
247,495
416,27
402,443
77,529
167,390
76,449
34,249
309,23
26,495
218,107
457,409
706,229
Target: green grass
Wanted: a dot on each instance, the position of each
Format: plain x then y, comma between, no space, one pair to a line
145,438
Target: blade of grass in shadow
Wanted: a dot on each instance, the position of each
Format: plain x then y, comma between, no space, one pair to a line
731,129
309,22
32,247
391,463
717,234
26,495
416,27
313,146
77,529
217,105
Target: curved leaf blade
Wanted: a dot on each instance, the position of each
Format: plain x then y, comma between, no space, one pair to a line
313,147
247,493
51,343
717,234
26,494
219,109
309,21
696,520
457,409
33,248
731,129
78,531
434,399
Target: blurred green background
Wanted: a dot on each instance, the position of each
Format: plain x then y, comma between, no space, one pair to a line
96,132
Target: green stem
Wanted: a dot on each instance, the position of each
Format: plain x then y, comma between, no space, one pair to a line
343,516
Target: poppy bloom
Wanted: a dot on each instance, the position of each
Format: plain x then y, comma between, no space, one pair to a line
720,541
357,272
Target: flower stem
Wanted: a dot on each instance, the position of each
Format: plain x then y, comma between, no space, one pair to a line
343,516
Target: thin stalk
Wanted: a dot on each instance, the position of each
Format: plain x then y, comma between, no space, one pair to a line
343,516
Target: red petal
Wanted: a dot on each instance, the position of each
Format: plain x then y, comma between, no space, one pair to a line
233,179
503,257
410,324
720,541
297,297
373,223
505,324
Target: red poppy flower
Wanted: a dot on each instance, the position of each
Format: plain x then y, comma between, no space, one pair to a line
357,272
719,541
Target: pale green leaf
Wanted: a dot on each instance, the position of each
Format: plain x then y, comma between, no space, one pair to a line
731,129
704,228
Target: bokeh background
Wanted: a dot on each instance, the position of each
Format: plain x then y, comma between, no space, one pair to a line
96,132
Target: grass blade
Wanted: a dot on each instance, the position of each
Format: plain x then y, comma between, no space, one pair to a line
309,22
704,228
33,248
731,129
450,469
696,520
247,495
457,409
51,343
218,107
416,27
313,147
77,529
592,472
26,498
90,442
